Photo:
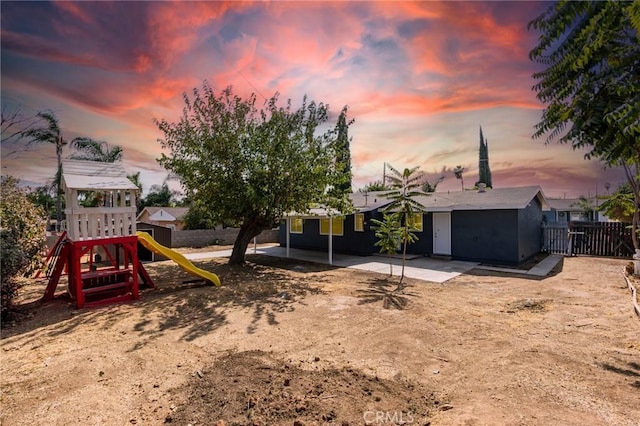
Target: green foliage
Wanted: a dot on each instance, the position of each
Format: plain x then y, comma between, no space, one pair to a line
200,216
159,196
458,171
428,187
389,235
23,237
375,186
484,171
343,154
41,197
405,188
620,205
591,83
92,150
247,165
49,132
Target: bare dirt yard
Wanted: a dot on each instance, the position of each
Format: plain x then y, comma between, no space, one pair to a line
291,343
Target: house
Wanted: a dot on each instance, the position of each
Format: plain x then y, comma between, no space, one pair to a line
169,217
568,210
498,226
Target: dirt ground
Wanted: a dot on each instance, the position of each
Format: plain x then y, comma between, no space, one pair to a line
291,343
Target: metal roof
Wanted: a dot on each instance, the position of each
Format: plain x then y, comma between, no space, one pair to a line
93,175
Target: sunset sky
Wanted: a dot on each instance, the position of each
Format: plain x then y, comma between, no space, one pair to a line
419,78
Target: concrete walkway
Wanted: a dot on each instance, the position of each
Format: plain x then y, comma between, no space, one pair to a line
421,268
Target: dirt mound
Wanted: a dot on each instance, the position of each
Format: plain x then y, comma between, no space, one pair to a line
254,388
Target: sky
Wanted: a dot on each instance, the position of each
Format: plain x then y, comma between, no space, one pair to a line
419,78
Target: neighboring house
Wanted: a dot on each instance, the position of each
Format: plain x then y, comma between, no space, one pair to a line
170,217
501,226
569,210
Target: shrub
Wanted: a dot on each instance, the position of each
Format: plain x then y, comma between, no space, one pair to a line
23,237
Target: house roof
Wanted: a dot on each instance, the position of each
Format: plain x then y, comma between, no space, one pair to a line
94,175
164,214
571,204
491,199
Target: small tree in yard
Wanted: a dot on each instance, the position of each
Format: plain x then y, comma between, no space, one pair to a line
388,234
406,186
22,232
250,166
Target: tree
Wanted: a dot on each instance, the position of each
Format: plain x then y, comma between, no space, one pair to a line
50,132
389,235
22,238
458,171
405,187
377,185
585,204
343,154
591,82
92,150
247,165
620,204
41,197
159,196
12,125
484,171
200,216
428,187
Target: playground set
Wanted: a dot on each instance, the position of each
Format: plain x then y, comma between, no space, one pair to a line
99,249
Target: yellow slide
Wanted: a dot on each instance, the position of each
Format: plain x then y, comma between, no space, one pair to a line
151,244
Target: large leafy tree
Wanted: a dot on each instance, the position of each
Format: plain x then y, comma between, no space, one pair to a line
49,132
249,166
405,187
591,82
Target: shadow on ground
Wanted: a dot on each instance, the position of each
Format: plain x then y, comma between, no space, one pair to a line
265,286
386,291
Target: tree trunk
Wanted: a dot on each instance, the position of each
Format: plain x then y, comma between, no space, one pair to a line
59,184
247,231
635,186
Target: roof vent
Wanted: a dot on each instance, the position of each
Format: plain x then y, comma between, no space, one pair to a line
482,187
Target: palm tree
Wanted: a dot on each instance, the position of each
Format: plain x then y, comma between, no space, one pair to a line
458,172
92,150
50,133
405,187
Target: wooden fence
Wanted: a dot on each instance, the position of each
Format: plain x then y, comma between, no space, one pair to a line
610,239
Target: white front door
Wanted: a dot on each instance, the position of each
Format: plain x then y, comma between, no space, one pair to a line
442,233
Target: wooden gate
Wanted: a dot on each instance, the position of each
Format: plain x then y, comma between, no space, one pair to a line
609,239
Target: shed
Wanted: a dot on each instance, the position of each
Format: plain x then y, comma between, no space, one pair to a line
161,234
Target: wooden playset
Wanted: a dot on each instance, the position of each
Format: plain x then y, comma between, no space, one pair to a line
99,248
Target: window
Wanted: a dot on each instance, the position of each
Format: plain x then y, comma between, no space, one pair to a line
359,222
336,229
296,225
416,222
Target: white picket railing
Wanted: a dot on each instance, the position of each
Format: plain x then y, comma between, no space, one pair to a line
85,223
